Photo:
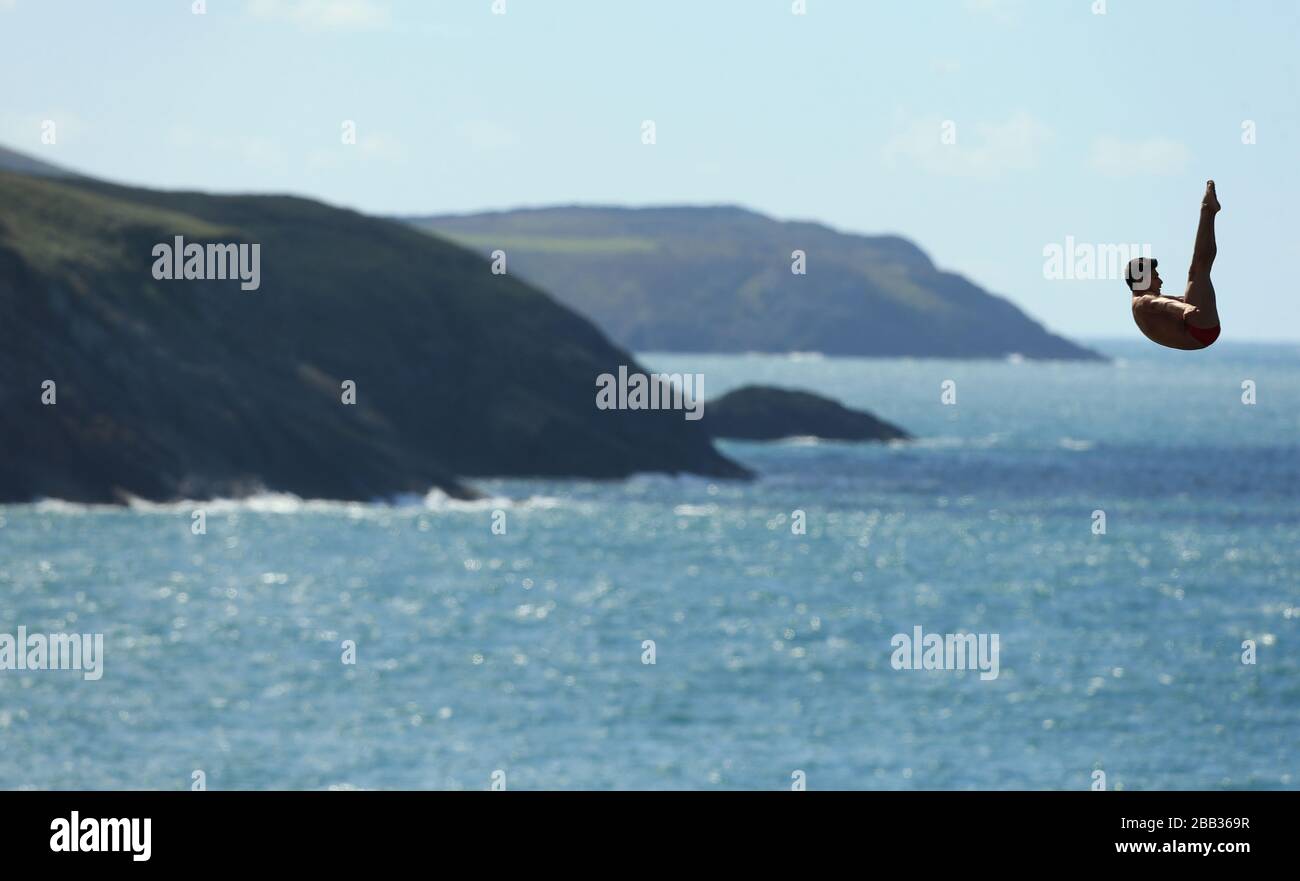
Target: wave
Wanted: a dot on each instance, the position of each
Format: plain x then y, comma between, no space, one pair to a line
695,510
288,503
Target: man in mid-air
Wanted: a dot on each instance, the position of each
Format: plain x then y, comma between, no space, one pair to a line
1192,320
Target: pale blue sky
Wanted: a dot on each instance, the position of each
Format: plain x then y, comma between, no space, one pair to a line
1068,123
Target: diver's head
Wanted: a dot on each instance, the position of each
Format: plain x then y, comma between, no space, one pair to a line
1142,277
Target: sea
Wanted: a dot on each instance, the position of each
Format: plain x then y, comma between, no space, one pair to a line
1128,531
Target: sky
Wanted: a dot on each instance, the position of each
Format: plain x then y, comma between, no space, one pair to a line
986,131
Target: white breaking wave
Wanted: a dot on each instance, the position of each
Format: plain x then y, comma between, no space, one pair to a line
58,506
437,500
259,503
695,510
288,503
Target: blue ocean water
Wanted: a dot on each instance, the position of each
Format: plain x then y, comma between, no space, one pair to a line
522,653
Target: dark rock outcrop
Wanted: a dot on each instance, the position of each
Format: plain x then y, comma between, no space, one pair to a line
765,413
191,389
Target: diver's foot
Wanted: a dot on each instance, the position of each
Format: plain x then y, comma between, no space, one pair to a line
1211,199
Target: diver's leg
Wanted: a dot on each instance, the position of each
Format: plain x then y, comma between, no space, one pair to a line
1200,291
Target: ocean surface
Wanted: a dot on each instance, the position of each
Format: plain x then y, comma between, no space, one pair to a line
519,657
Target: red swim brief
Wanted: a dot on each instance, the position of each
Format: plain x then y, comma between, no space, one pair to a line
1204,335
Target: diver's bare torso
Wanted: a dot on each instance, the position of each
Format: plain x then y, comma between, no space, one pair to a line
1159,320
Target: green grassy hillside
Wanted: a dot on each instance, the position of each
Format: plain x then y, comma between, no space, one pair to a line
719,280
